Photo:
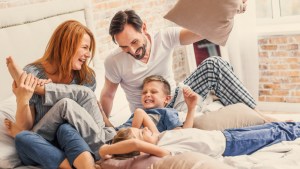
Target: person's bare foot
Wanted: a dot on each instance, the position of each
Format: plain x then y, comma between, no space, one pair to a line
12,128
14,70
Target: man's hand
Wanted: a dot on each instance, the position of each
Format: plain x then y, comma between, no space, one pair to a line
243,7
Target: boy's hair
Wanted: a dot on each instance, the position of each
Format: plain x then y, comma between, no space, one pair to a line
122,135
166,84
122,18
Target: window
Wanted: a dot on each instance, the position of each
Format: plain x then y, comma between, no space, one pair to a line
278,16
277,9
289,7
264,9
278,27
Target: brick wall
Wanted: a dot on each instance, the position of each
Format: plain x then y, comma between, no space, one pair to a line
151,11
279,65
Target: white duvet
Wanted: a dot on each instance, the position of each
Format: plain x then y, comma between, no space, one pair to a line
285,155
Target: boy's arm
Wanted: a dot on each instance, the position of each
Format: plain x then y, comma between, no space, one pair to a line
142,118
191,99
131,145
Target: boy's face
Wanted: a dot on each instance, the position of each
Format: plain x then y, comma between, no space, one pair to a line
153,95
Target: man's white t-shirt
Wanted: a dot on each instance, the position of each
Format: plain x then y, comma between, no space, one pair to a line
211,143
122,68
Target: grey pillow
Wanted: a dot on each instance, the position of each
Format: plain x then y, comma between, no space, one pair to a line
190,160
232,116
212,19
139,162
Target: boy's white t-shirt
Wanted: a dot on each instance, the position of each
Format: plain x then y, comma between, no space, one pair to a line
122,68
211,143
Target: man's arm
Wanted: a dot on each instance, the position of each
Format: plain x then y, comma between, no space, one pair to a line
187,37
107,96
105,119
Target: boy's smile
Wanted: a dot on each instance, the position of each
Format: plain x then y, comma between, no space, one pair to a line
153,95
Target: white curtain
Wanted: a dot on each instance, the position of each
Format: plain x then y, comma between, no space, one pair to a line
242,49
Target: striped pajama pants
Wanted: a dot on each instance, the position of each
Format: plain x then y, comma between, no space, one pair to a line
217,75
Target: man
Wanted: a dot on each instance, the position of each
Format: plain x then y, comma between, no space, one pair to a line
143,54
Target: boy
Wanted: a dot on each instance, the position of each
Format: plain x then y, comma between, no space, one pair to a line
154,98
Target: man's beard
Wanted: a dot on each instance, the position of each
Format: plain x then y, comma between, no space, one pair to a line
140,56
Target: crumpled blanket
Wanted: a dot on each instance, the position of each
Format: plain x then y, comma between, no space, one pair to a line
284,155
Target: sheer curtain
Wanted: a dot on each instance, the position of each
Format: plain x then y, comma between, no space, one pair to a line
242,49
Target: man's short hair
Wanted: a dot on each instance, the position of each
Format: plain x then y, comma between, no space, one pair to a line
166,84
122,18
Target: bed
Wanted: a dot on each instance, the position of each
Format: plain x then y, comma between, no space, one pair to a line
25,36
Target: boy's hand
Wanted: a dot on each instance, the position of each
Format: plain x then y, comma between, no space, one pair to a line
190,97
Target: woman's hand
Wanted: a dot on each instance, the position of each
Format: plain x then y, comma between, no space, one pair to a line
26,88
42,82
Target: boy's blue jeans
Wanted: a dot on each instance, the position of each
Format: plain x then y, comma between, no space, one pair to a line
250,139
35,150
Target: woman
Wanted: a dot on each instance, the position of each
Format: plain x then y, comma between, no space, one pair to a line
64,61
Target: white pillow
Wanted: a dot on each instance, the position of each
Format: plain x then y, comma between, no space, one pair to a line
8,154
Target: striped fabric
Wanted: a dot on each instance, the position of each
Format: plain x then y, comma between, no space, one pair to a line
217,75
37,100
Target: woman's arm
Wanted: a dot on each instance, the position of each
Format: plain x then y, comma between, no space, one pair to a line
142,118
25,114
131,145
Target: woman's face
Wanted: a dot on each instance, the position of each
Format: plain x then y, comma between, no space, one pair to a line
82,53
